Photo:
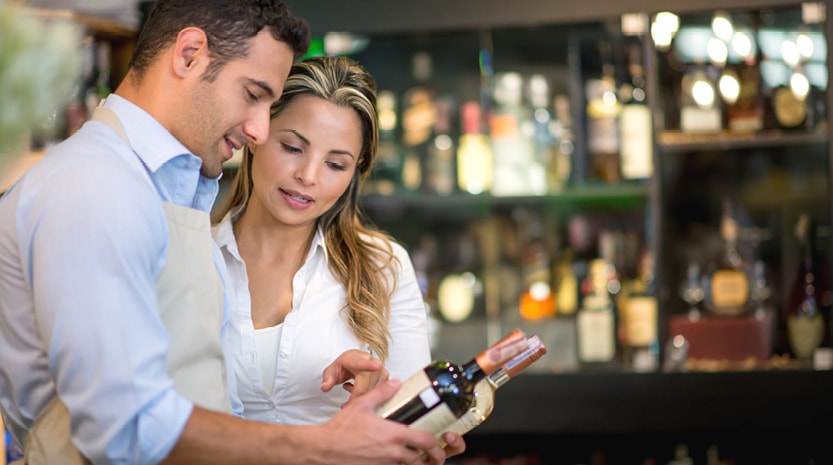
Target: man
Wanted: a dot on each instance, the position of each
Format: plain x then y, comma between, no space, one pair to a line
111,300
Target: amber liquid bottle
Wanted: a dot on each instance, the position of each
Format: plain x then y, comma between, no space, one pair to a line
727,293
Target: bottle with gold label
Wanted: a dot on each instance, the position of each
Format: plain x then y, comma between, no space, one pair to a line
727,283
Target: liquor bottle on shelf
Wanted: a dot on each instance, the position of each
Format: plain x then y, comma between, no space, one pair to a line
603,109
537,300
543,172
474,152
636,131
442,392
789,110
700,110
387,171
512,147
797,105
746,113
419,114
485,389
566,285
805,322
596,319
439,173
727,292
561,128
640,317
460,291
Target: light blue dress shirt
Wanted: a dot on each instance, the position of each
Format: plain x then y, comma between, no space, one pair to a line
82,239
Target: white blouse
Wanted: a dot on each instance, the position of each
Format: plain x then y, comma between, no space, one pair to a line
313,334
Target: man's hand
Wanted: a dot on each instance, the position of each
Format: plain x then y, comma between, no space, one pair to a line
358,436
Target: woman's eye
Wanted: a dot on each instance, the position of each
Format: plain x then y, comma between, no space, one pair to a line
336,166
291,148
252,96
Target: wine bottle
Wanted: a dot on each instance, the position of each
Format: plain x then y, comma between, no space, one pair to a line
485,389
635,130
474,152
603,111
596,318
805,323
442,392
639,315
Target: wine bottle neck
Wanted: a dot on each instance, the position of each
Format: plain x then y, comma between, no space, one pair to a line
499,378
473,371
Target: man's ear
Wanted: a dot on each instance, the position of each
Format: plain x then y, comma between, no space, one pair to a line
190,51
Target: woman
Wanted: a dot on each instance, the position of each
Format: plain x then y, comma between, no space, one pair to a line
312,280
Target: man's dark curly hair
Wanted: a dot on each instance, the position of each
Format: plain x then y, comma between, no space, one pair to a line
229,25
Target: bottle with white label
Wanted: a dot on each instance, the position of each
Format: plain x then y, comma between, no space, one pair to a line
442,392
485,389
635,125
596,319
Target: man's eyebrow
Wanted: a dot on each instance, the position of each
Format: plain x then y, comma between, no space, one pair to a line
264,86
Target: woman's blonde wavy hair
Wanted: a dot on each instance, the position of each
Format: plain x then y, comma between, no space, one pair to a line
361,257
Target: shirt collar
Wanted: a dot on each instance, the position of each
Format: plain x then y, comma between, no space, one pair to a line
153,144
318,244
224,236
173,168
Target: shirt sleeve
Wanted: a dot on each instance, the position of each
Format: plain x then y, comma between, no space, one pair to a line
409,346
97,240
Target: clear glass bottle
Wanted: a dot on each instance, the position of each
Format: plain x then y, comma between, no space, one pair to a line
512,146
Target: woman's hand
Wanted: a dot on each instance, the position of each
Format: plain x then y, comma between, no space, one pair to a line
365,371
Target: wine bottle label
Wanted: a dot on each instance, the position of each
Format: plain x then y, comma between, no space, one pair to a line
730,289
417,405
637,144
696,119
500,352
595,336
641,321
477,414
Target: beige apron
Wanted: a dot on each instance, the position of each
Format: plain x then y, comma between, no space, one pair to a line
190,298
